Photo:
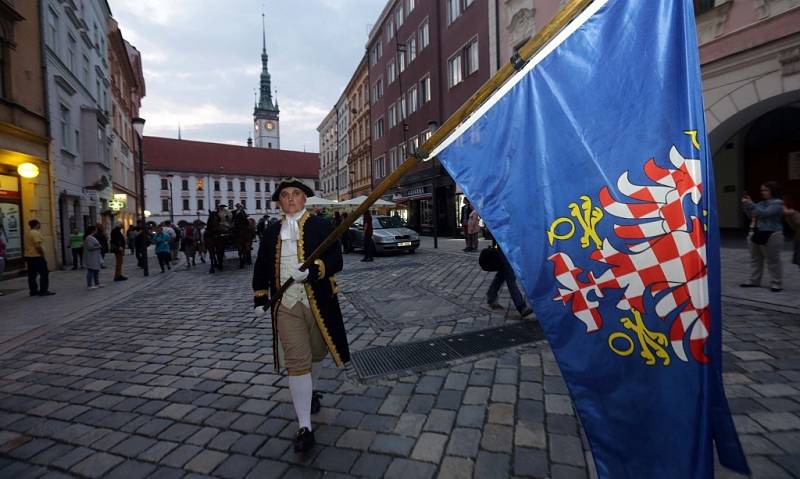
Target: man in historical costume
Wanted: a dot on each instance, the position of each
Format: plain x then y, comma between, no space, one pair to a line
306,321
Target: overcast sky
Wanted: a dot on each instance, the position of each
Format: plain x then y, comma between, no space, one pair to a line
202,61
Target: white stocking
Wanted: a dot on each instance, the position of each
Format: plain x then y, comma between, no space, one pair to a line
300,387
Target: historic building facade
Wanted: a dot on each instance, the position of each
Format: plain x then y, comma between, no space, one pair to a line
26,174
127,90
425,60
78,80
359,166
184,179
328,169
266,115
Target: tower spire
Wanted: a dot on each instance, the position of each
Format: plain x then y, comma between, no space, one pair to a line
263,33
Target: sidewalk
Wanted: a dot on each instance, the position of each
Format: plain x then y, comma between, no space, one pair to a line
24,317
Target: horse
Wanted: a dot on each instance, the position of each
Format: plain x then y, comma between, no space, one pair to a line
215,239
243,234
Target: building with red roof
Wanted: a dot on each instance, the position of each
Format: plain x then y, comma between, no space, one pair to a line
184,178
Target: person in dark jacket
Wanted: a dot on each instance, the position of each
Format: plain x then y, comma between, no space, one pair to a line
369,243
506,275
118,248
307,320
102,238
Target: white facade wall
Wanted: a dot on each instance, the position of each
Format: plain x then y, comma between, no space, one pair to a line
327,156
257,203
77,82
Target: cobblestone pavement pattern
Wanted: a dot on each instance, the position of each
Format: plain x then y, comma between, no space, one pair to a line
175,381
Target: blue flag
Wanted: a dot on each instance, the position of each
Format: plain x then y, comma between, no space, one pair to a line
591,168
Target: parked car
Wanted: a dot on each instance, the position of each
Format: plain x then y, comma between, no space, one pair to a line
389,233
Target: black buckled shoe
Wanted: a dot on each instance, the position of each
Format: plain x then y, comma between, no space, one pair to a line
304,440
315,404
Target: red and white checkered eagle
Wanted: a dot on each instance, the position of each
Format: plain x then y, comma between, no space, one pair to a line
665,259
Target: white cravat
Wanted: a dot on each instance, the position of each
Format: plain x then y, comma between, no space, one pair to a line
290,229
290,234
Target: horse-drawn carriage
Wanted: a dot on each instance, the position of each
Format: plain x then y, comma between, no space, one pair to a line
229,231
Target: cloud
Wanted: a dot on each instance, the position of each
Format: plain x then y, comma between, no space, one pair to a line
202,62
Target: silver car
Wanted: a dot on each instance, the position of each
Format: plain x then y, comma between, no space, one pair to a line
388,232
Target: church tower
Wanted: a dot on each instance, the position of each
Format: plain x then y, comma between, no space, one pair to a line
265,116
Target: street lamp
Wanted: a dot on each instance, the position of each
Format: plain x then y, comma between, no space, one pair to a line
138,125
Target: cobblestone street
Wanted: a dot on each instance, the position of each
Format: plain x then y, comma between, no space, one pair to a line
173,379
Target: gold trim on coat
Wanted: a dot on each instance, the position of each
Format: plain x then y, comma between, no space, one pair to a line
312,299
261,293
321,265
275,353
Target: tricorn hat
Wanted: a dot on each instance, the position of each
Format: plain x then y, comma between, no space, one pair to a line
292,181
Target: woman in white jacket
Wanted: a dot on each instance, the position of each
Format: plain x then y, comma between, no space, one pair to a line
92,258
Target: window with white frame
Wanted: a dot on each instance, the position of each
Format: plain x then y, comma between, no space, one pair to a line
401,60
412,99
186,204
411,46
379,128
391,71
453,10
66,127
392,112
413,144
454,73
52,29
399,16
409,6
379,167
389,30
425,135
258,205
424,35
401,152
373,55
164,204
471,57
403,107
425,90
392,159
200,204
72,45
467,3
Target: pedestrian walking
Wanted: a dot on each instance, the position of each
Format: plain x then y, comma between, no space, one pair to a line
118,248
347,245
141,242
308,308
473,228
131,237
163,248
792,217
35,261
506,275
2,258
93,258
76,246
369,244
102,238
765,239
466,209
188,245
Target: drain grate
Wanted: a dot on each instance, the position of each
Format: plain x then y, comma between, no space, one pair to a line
381,361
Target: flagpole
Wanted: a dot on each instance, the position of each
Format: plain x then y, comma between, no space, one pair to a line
525,52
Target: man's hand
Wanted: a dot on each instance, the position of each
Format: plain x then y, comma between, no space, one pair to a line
259,312
299,276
